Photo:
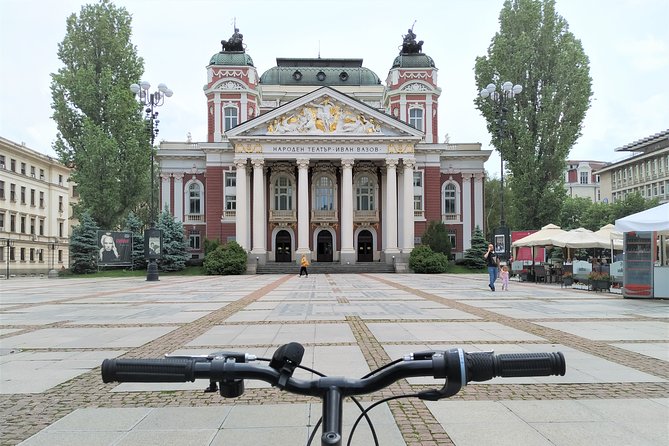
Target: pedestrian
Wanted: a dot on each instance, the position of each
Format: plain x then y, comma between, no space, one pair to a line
493,265
504,275
303,265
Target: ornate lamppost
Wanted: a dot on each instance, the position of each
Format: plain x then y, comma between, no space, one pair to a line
52,272
152,236
8,243
501,102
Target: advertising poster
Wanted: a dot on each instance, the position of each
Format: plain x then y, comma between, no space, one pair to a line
114,248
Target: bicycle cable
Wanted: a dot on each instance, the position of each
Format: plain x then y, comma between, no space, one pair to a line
364,412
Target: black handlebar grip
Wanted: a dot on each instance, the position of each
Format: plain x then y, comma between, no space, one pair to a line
148,370
484,366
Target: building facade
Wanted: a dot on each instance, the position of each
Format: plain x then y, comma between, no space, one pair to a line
35,210
581,181
317,157
646,171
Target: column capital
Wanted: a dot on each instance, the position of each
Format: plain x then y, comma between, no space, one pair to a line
178,176
240,163
347,163
165,176
392,163
409,163
479,176
258,163
466,177
303,163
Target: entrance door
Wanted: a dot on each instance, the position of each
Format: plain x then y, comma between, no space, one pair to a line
282,252
324,247
365,251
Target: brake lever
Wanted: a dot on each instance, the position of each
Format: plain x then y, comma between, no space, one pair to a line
452,361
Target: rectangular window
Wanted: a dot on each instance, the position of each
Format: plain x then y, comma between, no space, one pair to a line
23,168
584,177
194,240
12,254
23,224
60,229
41,227
13,165
230,179
23,195
60,256
41,174
452,237
2,254
32,197
60,180
417,203
32,171
12,223
32,254
2,222
416,118
417,178
40,255
230,117
2,190
12,193
32,225
2,161
41,200
60,203
230,202
23,254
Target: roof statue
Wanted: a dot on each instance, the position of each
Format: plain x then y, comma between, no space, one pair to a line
409,45
235,43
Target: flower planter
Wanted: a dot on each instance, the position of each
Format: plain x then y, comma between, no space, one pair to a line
600,285
567,281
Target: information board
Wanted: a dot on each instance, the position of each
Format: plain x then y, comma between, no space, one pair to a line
639,248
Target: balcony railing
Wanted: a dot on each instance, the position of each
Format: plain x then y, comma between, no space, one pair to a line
194,218
229,215
324,216
282,216
418,213
450,218
366,216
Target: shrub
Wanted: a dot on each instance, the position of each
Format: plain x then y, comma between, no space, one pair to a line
425,261
596,275
228,259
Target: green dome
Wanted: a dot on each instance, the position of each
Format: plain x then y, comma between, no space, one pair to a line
416,60
233,58
320,72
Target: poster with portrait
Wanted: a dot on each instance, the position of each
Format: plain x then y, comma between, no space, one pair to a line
114,248
153,243
500,244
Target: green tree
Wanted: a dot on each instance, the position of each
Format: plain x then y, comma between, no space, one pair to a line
84,245
423,260
492,205
474,255
631,204
101,132
534,48
436,237
596,216
226,259
173,250
134,224
573,212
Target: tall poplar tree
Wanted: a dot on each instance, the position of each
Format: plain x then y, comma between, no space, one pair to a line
534,48
101,132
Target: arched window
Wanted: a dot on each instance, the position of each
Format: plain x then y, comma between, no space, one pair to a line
195,198
283,194
450,194
364,194
231,120
416,118
324,194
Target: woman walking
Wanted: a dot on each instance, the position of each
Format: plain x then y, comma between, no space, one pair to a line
493,265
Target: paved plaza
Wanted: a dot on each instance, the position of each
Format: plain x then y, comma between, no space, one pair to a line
55,333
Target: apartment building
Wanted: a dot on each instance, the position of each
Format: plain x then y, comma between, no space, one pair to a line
645,171
35,210
581,181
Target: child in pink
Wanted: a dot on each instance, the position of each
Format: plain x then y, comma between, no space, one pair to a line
504,275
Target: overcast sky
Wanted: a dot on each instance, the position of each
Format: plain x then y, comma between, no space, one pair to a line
627,42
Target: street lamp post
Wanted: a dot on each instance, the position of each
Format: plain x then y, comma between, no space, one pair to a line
151,100
52,272
501,101
8,243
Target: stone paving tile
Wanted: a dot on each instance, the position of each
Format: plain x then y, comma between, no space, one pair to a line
615,349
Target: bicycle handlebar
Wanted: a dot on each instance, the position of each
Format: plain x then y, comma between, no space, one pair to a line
455,365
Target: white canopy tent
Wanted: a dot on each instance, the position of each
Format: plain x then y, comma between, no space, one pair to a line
577,238
543,237
653,219
608,237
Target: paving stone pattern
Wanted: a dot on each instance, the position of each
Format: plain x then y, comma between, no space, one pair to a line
55,333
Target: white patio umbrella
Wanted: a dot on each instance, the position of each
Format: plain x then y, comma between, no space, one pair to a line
577,238
543,237
609,237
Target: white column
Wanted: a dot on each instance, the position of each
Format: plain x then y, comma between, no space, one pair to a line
403,108
391,205
166,194
217,118
179,196
478,200
241,222
428,119
259,220
249,188
384,226
347,252
467,210
400,207
244,112
302,207
408,226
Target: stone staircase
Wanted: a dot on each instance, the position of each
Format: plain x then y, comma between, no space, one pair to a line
325,268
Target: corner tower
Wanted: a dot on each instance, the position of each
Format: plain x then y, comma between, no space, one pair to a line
231,89
412,93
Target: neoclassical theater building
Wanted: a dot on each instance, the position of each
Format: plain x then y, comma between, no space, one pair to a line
319,157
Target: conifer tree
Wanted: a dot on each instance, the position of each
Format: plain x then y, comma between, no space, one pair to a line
84,245
436,237
474,255
134,224
174,254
